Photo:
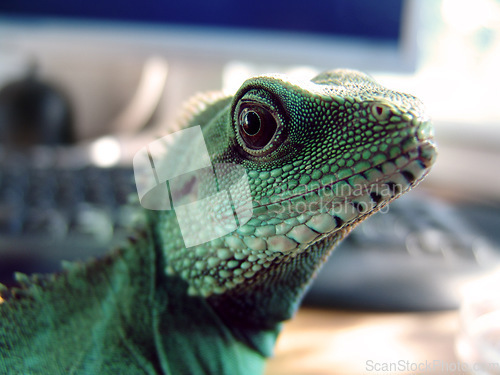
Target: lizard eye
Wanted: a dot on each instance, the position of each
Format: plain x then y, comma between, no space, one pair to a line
257,126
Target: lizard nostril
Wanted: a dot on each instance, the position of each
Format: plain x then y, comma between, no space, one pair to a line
425,131
380,111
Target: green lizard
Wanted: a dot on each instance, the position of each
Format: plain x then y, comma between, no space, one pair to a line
320,156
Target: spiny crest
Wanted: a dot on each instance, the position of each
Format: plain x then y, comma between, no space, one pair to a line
196,105
345,77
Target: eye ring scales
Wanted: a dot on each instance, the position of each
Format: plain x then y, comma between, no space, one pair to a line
257,126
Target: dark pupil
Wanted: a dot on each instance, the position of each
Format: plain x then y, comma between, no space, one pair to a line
257,126
251,123
379,110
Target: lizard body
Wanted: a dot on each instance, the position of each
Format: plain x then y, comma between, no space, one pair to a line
320,156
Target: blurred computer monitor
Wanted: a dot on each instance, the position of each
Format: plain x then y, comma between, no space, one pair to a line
97,51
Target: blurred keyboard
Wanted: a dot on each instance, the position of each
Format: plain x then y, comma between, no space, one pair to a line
415,256
49,214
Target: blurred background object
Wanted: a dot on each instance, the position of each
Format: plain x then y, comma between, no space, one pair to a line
110,77
97,51
34,112
479,334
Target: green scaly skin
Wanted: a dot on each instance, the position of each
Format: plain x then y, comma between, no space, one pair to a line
320,157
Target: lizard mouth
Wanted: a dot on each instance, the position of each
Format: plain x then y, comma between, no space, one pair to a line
313,215
428,153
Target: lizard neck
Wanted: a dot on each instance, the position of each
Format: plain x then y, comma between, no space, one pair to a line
273,297
263,299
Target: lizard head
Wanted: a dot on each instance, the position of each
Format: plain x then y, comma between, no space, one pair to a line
320,156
